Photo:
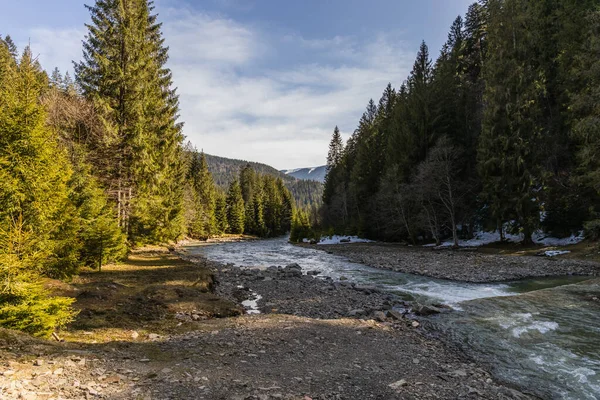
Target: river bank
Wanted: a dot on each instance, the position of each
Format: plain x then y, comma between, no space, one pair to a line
466,265
149,332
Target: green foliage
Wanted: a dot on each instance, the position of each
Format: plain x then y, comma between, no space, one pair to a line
200,205
123,73
24,303
235,208
515,88
301,228
225,170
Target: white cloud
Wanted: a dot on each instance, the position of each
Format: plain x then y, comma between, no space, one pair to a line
241,97
56,48
283,116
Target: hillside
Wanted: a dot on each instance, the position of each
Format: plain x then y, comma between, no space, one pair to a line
311,174
306,192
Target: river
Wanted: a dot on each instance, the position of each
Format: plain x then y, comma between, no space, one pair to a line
542,335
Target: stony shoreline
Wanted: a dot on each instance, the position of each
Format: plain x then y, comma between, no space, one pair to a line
460,265
315,339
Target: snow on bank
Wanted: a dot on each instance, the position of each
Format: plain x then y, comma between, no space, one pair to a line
483,238
554,253
336,239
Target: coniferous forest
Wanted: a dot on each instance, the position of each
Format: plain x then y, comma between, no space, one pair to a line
501,131
94,164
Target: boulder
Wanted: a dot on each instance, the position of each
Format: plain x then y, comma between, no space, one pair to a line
424,310
379,316
293,266
357,313
397,385
395,314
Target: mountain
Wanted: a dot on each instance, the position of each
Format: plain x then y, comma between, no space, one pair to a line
310,174
307,193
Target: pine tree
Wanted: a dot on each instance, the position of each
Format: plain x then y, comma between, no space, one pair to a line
585,107
221,214
56,79
509,148
35,212
124,74
235,208
334,159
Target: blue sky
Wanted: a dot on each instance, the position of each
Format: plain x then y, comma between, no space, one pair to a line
263,80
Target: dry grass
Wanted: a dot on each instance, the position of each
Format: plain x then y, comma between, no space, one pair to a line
142,295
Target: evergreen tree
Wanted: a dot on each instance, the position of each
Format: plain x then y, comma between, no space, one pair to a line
221,214
334,159
509,148
235,208
585,106
124,74
35,212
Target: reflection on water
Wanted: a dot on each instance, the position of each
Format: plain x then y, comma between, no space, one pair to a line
542,334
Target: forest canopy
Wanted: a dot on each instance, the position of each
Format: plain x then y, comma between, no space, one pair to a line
499,132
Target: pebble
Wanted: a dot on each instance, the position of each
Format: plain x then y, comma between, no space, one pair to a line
397,385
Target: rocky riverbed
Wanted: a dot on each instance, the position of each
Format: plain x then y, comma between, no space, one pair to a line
467,265
314,339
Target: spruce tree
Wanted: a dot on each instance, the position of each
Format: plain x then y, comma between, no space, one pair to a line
36,216
235,208
222,223
509,156
123,72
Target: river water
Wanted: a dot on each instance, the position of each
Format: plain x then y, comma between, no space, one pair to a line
542,335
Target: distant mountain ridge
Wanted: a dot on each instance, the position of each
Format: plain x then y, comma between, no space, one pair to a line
307,193
310,174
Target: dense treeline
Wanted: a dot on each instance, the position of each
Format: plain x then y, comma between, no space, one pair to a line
253,204
307,194
93,165
500,132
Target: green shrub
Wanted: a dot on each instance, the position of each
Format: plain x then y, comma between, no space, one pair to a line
24,303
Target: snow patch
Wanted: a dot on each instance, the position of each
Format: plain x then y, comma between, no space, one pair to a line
540,238
311,170
554,253
482,238
337,239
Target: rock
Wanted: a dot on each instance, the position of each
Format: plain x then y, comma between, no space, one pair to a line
379,316
397,385
135,335
293,266
343,278
145,360
357,313
313,241
58,371
424,310
415,324
345,240
38,362
395,314
153,336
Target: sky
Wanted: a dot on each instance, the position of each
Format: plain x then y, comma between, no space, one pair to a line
262,80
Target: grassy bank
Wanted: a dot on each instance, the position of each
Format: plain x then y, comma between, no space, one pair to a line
153,291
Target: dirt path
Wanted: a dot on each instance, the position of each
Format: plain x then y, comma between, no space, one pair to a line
148,337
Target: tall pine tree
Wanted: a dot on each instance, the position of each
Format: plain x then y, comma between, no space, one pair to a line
123,72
